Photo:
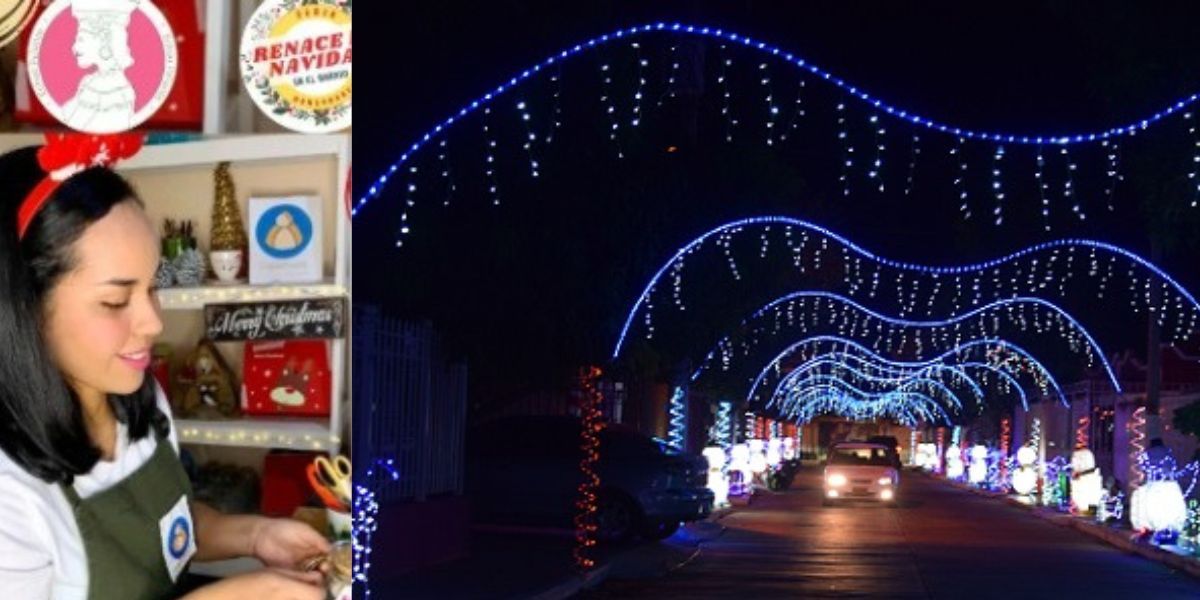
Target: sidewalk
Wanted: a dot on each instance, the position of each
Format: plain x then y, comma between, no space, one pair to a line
524,565
1119,537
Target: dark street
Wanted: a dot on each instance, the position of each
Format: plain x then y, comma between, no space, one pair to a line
939,543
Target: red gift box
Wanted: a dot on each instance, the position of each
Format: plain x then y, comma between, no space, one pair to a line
285,484
286,378
184,105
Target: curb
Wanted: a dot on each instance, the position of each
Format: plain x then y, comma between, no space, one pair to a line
575,584
1118,538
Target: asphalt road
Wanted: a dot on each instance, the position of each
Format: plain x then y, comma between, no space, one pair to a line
940,542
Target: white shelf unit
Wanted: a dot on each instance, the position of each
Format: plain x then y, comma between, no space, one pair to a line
258,432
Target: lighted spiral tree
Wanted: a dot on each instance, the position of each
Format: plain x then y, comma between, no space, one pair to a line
585,505
1137,444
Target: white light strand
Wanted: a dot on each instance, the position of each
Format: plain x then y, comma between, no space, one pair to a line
670,92
726,109
410,202
797,112
1040,180
772,110
876,171
556,80
523,109
641,75
960,180
997,186
1195,163
490,158
914,151
1069,194
610,109
447,171
1113,151
847,149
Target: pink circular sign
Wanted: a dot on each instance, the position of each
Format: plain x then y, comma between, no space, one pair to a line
102,66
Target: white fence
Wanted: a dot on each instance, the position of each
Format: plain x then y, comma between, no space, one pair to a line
411,406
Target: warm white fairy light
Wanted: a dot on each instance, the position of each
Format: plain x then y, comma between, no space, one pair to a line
772,110
997,187
189,298
523,109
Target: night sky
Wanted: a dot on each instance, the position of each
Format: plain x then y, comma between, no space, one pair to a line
526,291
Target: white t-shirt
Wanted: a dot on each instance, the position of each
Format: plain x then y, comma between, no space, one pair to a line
41,552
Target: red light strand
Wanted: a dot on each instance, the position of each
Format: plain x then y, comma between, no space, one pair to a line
592,424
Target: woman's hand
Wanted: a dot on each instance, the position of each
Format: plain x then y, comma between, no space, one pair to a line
270,584
286,543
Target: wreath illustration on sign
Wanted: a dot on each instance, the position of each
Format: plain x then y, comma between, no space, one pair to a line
270,97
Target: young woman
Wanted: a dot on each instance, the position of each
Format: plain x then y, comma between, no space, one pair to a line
94,502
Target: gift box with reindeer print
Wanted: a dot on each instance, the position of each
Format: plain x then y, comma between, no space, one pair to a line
286,378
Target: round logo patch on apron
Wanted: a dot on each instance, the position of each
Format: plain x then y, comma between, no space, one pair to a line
178,537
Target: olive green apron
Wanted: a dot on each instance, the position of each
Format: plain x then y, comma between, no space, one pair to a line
138,535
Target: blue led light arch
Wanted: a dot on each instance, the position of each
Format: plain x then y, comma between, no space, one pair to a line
1025,138
1093,345
851,344
907,267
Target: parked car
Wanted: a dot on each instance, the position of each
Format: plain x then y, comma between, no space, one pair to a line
525,470
860,470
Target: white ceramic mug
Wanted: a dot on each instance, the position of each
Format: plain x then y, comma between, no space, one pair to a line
226,264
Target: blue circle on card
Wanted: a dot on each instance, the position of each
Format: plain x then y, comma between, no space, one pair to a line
179,536
284,231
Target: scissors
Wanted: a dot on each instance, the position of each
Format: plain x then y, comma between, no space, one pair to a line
334,475
323,491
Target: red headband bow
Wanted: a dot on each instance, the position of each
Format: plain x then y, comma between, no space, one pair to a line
66,154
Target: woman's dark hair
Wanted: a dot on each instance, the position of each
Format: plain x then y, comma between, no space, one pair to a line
42,425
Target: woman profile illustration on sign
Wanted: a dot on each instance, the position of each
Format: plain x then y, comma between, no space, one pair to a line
105,97
102,66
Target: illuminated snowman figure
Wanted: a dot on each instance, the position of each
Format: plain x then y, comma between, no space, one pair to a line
978,470
758,457
954,462
789,448
739,470
1158,506
1087,486
774,452
927,456
717,481
1024,480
